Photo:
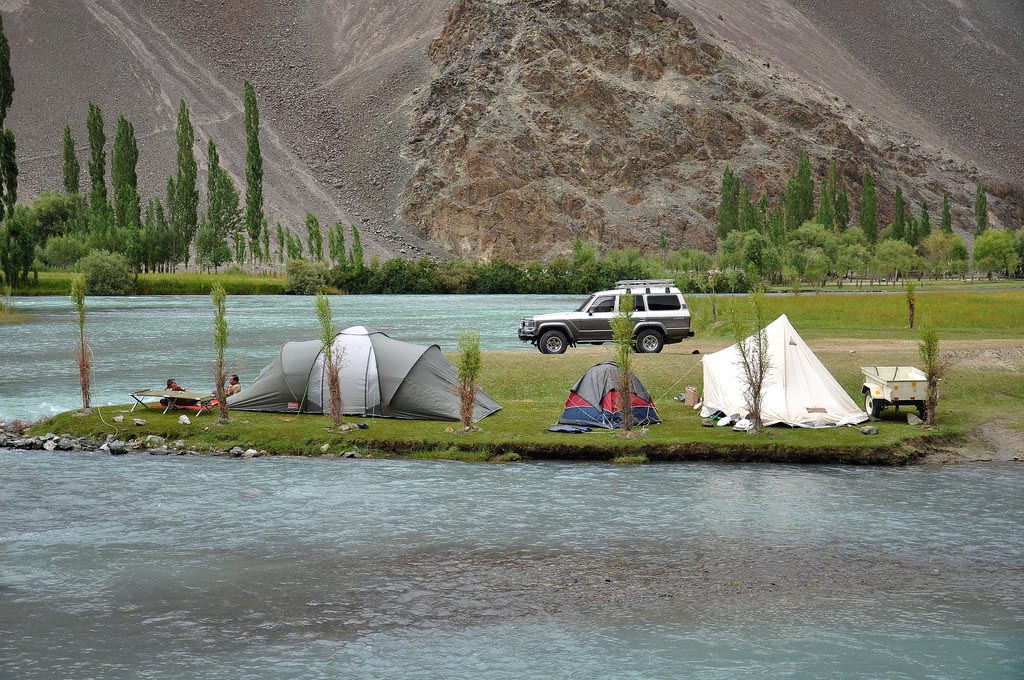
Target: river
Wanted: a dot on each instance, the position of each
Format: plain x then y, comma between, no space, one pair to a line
199,567
196,567
139,342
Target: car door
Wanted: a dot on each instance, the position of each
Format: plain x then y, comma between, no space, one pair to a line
597,324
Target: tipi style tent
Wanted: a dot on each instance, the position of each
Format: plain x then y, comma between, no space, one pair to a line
798,391
380,376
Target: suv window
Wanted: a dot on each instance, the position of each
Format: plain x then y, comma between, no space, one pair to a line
603,304
663,303
638,303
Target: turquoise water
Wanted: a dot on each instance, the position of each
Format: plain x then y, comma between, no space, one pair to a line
143,567
139,342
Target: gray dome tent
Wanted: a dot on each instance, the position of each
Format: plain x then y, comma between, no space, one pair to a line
380,376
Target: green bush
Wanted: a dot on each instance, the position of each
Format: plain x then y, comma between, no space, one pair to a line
64,252
107,274
304,277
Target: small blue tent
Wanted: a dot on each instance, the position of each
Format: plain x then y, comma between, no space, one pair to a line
594,400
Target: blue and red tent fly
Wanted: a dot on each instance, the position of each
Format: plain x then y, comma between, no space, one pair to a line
594,400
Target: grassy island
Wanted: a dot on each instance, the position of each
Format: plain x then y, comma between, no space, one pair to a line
982,340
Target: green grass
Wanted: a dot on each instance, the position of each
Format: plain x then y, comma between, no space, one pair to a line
200,284
981,313
59,283
985,382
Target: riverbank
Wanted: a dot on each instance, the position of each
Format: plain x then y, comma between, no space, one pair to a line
984,383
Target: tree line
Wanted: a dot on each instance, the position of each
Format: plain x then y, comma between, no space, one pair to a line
808,233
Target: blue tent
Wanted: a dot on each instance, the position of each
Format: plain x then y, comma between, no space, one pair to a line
594,401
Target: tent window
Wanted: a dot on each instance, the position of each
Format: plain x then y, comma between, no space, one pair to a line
663,303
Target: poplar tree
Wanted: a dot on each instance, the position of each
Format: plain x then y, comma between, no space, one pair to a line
826,209
899,216
6,77
254,217
980,211
357,251
924,224
869,210
728,206
749,217
842,207
947,215
222,217
337,244
220,343
127,205
265,239
72,170
8,157
804,195
8,171
281,244
97,157
185,210
314,238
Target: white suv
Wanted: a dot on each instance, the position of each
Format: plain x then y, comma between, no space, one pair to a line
660,317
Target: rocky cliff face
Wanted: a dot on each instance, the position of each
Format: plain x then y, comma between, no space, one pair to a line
612,121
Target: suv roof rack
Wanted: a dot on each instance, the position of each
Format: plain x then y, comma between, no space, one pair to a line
644,283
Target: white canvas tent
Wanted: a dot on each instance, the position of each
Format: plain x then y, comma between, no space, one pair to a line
799,390
380,376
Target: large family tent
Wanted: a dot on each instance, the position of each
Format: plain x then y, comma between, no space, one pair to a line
594,400
380,376
798,390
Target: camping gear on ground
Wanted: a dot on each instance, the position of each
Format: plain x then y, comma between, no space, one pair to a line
594,400
380,376
175,400
893,386
798,389
570,429
691,396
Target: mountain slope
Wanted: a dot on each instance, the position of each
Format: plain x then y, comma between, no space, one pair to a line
553,119
356,114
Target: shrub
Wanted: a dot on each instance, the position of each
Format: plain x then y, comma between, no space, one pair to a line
304,277
64,252
107,274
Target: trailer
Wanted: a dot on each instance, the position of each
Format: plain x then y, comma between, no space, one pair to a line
894,386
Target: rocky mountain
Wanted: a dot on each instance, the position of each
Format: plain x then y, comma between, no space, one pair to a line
508,127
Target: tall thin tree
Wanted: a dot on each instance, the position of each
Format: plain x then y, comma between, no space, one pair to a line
253,168
72,169
947,215
97,157
220,344
8,157
980,211
185,214
755,359
83,354
333,358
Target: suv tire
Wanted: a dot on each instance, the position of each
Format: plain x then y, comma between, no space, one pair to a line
553,342
649,342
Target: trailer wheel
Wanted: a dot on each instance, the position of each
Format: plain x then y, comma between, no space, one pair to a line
871,407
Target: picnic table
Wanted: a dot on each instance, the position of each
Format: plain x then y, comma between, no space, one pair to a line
200,401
